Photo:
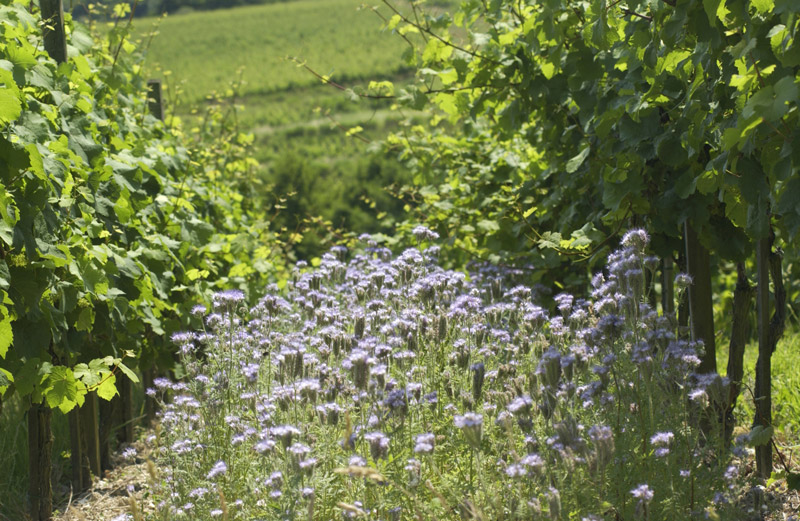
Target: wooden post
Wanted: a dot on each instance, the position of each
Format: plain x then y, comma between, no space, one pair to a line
40,448
701,310
763,394
155,102
742,305
90,431
683,303
108,418
150,405
125,432
667,286
55,40
79,481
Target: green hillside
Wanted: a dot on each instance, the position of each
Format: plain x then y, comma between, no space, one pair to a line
251,55
207,51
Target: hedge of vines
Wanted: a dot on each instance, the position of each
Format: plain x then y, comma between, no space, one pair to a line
112,226
573,117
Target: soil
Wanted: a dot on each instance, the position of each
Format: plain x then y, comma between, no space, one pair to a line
121,490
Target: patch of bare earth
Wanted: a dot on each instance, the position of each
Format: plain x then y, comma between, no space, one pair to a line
118,493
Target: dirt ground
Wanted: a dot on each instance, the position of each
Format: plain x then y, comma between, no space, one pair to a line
119,492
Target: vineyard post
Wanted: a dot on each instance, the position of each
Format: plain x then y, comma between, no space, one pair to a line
125,433
109,417
80,478
701,310
55,40
763,395
40,448
148,375
90,432
667,286
155,102
40,437
742,305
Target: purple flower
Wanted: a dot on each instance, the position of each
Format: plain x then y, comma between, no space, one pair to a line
636,240
424,234
515,470
229,297
682,281
662,438
378,444
521,405
218,469
468,420
470,424
642,493
129,453
424,443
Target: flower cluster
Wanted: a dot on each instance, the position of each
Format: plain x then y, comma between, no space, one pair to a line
367,381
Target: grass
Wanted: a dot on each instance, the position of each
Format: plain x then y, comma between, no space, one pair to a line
785,386
208,51
240,55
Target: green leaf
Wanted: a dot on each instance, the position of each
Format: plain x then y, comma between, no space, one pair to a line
62,387
127,372
488,226
85,320
5,381
790,196
82,66
21,55
10,106
763,6
107,388
793,481
123,208
550,240
574,163
758,219
92,373
685,184
710,7
759,435
6,336
671,152
27,377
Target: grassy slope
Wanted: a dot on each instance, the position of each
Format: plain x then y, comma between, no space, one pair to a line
206,50
298,122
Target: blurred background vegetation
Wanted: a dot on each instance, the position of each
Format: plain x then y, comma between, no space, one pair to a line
320,170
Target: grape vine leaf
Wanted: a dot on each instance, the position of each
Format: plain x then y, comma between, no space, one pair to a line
5,381
107,388
574,163
10,106
6,336
63,391
759,435
127,371
793,481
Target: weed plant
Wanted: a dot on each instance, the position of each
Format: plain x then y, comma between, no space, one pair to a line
389,388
